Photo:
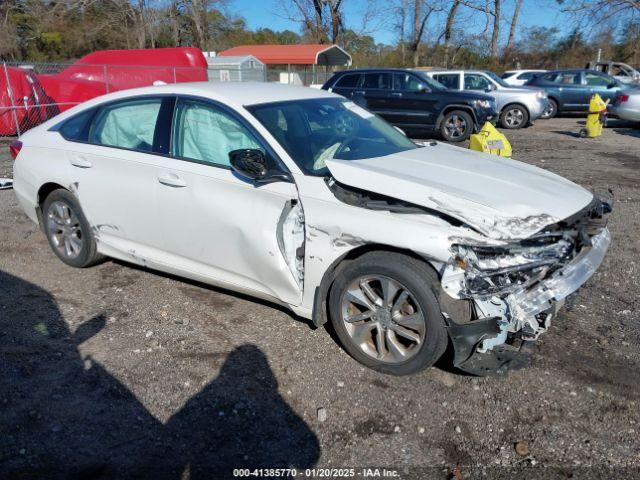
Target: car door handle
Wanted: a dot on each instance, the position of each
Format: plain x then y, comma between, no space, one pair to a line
171,180
360,92
396,94
81,162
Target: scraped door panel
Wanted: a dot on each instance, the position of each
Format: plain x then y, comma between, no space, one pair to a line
225,229
216,224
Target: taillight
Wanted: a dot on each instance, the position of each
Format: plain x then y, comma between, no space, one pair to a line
14,148
623,98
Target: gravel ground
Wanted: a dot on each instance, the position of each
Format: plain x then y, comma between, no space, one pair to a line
115,371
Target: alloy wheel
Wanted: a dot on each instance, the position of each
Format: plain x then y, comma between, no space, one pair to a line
63,228
383,318
514,117
456,126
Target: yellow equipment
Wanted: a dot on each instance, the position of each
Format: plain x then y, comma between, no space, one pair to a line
490,140
596,119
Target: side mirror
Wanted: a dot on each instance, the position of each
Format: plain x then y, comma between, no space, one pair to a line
252,163
490,88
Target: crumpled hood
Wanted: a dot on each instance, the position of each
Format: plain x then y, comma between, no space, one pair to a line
501,198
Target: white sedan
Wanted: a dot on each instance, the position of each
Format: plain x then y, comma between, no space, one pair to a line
626,106
300,197
517,78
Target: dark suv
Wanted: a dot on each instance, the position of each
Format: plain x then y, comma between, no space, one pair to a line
414,102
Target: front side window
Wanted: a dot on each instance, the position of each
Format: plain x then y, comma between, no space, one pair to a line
206,133
473,81
449,80
317,130
348,81
129,124
377,80
594,80
415,83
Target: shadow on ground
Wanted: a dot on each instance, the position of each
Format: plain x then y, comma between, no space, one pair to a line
64,416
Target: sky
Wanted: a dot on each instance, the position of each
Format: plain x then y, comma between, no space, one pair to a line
271,14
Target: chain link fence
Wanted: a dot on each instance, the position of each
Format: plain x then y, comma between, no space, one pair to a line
31,93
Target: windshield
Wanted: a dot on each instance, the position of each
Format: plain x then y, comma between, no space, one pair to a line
314,131
496,79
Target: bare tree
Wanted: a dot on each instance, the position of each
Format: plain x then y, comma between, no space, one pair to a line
401,25
512,28
422,10
448,29
322,20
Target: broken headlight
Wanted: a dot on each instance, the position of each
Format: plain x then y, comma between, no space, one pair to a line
488,271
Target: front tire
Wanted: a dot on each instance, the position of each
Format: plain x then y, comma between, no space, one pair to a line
456,126
514,117
384,309
68,231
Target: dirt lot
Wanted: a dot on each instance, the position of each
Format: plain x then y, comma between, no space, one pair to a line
115,371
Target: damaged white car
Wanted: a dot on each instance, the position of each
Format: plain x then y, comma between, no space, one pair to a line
300,197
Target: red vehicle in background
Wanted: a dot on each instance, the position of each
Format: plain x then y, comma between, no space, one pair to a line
28,98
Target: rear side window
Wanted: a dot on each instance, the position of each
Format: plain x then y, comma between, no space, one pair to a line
129,124
449,80
77,127
348,81
508,75
377,80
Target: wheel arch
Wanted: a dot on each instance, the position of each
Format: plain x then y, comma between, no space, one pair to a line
321,294
43,192
515,104
454,106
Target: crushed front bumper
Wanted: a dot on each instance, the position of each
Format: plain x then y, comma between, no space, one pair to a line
563,282
480,346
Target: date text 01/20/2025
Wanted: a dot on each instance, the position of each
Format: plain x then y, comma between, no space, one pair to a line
316,473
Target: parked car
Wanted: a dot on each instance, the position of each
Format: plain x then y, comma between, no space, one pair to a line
627,106
414,102
301,197
517,107
571,90
620,71
517,78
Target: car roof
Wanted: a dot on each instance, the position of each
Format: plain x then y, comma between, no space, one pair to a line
374,70
230,93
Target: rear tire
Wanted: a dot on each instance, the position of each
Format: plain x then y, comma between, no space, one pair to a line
551,111
514,116
456,126
401,334
68,231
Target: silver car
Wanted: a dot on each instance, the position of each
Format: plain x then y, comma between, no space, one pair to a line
517,107
627,105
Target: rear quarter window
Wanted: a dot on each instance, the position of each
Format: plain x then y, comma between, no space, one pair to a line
77,127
